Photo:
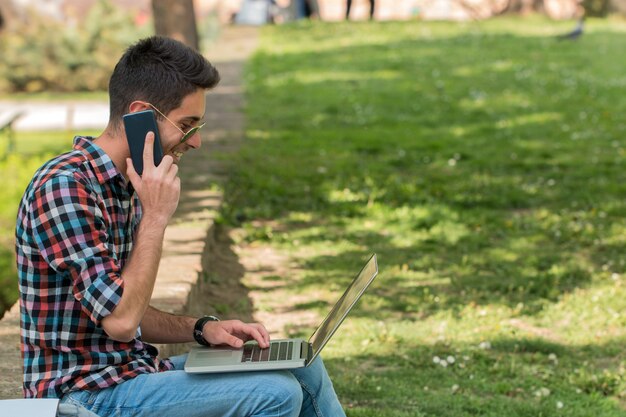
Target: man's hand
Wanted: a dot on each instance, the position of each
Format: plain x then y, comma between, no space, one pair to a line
235,333
158,191
159,186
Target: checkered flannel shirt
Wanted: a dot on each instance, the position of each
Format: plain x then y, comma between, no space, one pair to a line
75,226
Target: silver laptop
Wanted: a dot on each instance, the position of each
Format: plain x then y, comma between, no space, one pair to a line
283,353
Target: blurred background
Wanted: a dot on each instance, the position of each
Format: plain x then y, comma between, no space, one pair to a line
51,45
476,145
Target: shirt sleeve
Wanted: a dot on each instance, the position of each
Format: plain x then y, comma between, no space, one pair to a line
71,232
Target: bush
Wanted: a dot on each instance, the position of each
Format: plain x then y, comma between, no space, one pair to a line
8,289
44,54
16,171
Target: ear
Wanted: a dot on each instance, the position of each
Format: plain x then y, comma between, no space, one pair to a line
138,105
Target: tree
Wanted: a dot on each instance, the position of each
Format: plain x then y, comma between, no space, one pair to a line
596,8
176,19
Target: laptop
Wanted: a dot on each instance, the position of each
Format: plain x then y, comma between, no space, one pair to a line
282,353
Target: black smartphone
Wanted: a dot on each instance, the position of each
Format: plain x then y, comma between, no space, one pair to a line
137,126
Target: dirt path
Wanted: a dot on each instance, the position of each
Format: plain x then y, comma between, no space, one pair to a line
267,272
235,274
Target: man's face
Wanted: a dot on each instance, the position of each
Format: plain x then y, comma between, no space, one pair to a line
185,117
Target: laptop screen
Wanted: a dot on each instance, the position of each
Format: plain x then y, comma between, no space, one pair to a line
343,306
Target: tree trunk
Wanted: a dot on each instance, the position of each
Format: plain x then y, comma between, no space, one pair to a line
176,19
7,14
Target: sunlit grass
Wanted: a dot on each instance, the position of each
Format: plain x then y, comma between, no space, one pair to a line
484,163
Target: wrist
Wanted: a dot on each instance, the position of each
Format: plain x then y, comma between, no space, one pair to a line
198,329
154,221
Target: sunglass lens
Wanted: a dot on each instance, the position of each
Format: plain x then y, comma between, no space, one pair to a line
189,134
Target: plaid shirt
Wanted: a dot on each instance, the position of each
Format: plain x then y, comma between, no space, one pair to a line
74,233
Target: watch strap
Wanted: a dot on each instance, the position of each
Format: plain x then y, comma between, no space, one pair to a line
197,329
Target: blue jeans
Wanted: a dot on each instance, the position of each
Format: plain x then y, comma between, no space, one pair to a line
298,392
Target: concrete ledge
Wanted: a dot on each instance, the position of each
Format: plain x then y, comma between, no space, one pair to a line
181,274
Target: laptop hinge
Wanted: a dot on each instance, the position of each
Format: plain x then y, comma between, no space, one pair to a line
305,351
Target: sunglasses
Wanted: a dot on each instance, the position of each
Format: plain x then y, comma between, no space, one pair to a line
186,135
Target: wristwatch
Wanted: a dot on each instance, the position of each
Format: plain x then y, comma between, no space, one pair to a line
197,329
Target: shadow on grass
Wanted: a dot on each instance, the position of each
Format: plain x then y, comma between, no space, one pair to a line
487,164
421,280
483,168
219,290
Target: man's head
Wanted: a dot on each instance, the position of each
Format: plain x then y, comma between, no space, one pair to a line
164,75
160,71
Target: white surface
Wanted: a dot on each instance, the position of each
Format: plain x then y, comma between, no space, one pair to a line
29,407
57,116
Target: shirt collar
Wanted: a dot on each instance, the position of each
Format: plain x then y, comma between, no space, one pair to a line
103,166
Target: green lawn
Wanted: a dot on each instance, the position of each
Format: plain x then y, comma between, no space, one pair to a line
485,164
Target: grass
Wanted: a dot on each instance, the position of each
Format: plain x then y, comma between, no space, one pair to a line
16,170
484,163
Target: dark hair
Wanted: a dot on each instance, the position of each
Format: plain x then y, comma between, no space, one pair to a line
161,71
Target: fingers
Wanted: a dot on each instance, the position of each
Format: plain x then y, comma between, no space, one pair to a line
166,170
148,151
228,339
148,155
166,163
158,187
263,332
253,331
234,333
172,170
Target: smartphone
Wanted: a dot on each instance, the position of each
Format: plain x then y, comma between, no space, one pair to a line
137,126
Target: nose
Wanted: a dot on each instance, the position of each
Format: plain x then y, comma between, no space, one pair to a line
195,141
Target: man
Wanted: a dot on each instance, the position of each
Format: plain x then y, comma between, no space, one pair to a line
88,240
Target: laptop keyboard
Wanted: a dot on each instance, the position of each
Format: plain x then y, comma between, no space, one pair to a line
278,351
